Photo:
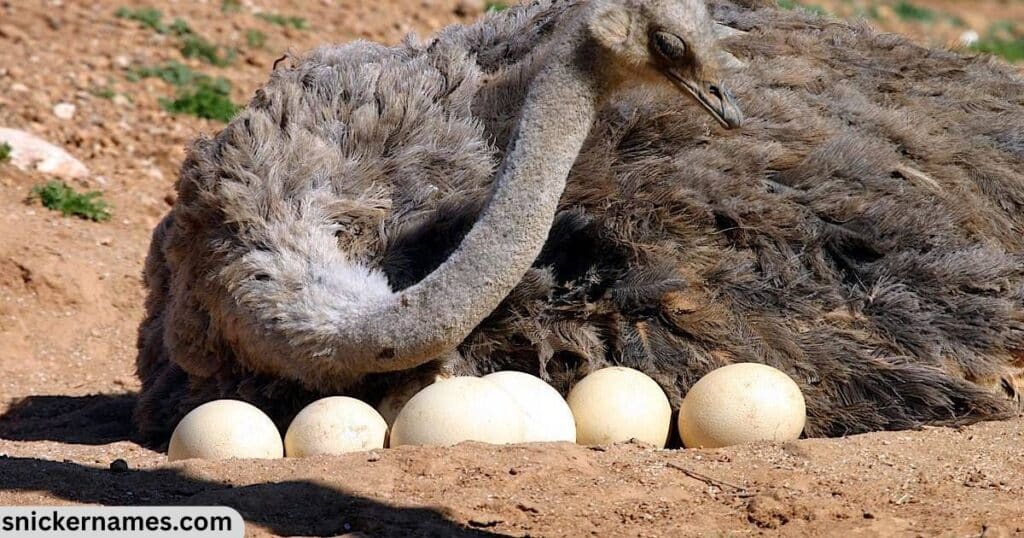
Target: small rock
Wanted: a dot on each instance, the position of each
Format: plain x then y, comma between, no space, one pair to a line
469,8
64,111
373,457
122,61
9,31
30,152
968,38
119,466
19,87
106,241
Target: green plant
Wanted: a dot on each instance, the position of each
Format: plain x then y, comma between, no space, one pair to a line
147,16
173,73
1010,49
181,28
792,4
58,196
255,38
5,152
195,46
494,5
907,11
106,92
206,98
230,6
298,23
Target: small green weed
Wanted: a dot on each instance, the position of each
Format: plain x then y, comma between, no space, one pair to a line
1010,49
5,152
206,98
106,92
230,6
255,38
793,4
173,73
195,46
495,5
298,23
147,16
907,11
58,196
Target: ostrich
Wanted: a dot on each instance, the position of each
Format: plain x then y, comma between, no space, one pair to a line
247,271
862,232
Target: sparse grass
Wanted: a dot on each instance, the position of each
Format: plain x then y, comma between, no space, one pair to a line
195,46
230,6
255,38
793,4
174,73
147,16
105,92
205,98
298,23
181,28
907,11
58,196
1010,49
494,5
5,152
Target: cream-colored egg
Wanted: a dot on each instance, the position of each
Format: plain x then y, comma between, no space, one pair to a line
618,404
459,409
224,429
741,403
399,395
334,425
548,417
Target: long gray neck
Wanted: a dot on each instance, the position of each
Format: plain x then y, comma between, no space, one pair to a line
434,316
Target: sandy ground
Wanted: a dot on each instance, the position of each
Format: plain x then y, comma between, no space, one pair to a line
71,296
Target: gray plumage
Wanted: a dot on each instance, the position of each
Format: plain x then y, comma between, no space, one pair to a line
862,232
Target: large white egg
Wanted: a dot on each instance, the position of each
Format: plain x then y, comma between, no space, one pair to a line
399,395
548,417
741,403
459,409
334,425
618,404
224,429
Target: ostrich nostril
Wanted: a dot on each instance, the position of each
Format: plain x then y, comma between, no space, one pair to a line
713,89
262,277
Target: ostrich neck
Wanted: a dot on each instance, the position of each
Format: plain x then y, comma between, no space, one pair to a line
432,317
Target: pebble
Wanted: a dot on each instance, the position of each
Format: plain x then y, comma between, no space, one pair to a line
64,111
29,152
968,38
119,466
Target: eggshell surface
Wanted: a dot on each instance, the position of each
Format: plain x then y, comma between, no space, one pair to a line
742,403
618,404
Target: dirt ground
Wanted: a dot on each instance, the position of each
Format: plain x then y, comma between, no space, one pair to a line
71,299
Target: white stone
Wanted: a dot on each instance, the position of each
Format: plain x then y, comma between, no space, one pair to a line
968,38
29,152
64,111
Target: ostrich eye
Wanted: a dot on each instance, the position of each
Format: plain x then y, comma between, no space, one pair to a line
669,46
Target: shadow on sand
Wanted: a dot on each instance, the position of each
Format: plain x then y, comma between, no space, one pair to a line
285,508
96,419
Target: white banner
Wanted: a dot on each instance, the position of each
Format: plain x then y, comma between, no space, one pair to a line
114,521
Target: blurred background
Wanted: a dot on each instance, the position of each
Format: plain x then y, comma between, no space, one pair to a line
991,26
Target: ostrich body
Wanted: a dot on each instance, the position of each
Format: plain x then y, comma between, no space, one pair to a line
264,207
861,233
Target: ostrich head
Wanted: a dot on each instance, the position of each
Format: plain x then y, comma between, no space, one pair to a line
665,42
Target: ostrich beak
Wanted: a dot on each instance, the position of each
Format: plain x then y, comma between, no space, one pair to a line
713,98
